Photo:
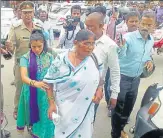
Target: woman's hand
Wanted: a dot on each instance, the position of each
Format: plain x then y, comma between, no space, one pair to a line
41,85
98,95
52,108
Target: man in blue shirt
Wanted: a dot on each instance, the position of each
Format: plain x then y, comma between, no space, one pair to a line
135,55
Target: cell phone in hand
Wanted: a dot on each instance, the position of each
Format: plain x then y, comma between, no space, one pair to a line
120,39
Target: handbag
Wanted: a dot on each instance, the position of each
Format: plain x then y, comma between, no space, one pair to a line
93,56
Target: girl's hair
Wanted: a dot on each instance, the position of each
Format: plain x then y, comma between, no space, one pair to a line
38,34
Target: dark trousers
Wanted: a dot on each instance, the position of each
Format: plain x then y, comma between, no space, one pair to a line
125,103
107,86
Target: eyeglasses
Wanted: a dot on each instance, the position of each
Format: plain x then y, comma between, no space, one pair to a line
89,43
27,12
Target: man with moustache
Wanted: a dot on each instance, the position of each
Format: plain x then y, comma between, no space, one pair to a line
106,52
18,43
44,22
141,8
69,31
131,24
135,56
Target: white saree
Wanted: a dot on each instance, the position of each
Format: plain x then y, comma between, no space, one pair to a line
74,89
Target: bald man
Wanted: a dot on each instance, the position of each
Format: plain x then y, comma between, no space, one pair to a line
106,51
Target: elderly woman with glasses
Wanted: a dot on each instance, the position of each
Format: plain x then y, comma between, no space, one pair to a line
33,103
75,81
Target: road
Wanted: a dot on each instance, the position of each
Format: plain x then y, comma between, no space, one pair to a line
102,125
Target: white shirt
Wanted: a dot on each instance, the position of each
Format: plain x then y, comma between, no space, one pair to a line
15,20
63,37
48,28
106,52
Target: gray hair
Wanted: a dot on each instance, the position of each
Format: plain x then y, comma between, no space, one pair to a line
131,14
149,14
84,34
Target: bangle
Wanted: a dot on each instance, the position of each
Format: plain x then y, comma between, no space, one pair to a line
33,83
30,83
50,98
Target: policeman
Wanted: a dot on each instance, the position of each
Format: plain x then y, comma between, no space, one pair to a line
18,43
17,18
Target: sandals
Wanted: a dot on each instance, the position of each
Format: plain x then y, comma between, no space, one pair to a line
15,115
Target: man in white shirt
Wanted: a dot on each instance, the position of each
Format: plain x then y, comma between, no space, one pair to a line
106,51
68,34
43,21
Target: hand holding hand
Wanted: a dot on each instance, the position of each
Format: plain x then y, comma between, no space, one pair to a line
41,85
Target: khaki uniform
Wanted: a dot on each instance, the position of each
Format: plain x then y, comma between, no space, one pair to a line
19,36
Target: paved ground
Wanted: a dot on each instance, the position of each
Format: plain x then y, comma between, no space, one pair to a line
102,125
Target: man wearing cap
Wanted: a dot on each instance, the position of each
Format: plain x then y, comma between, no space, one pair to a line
18,43
16,19
43,21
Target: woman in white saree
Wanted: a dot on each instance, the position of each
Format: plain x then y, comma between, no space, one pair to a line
75,82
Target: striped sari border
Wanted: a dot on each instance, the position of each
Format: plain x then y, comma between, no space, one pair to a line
20,128
34,136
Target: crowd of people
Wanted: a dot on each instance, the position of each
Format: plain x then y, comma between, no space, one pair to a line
108,56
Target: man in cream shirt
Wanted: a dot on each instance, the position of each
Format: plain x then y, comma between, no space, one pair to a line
106,51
